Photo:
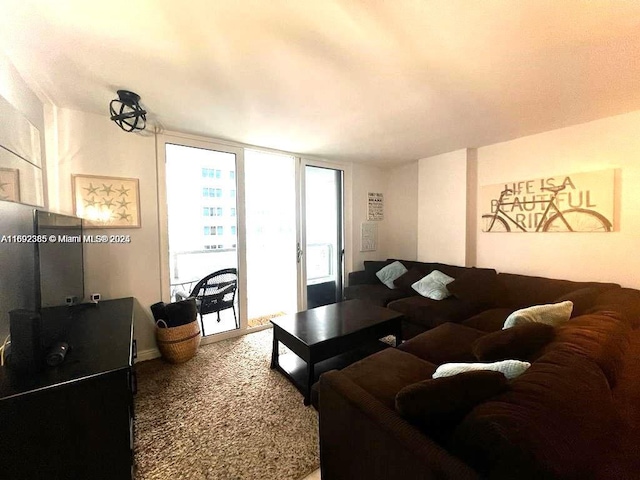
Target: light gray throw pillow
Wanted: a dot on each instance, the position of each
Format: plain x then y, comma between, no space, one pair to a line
509,368
551,314
434,285
389,273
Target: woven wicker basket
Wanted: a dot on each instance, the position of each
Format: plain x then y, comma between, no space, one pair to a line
179,344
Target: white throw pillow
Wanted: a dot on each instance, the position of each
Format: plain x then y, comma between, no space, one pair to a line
433,286
389,273
509,368
551,314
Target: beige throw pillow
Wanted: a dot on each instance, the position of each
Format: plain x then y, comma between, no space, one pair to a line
551,314
434,285
509,368
389,273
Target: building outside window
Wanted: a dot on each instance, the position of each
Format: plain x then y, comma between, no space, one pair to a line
211,192
212,211
211,173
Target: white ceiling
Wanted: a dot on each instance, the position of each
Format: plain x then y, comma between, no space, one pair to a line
362,80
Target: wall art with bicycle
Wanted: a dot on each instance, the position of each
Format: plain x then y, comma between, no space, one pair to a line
577,202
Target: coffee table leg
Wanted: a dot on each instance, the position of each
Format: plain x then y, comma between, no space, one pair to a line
274,350
399,335
310,378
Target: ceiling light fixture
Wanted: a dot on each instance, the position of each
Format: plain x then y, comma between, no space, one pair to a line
129,116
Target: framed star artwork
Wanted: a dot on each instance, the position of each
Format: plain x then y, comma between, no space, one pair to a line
106,202
10,184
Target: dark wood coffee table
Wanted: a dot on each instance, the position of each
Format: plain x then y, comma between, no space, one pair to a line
329,337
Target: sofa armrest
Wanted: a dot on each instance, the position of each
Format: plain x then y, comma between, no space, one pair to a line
360,277
362,438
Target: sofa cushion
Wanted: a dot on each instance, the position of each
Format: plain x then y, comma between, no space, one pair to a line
377,294
602,338
445,401
476,284
626,301
489,320
509,368
554,421
385,373
449,342
431,313
521,342
389,273
583,299
551,314
409,278
524,290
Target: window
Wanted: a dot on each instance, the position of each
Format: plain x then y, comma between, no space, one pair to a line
212,192
212,211
233,230
233,212
233,193
211,173
207,230
213,247
220,230
232,175
212,230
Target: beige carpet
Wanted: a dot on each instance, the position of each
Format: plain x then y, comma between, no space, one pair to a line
223,415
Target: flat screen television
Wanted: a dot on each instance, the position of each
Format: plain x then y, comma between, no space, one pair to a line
59,270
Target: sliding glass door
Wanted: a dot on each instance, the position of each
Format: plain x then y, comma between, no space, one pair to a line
324,235
274,220
203,232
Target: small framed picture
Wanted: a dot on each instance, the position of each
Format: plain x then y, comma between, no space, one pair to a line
10,184
106,202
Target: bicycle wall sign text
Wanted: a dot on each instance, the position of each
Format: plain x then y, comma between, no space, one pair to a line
578,202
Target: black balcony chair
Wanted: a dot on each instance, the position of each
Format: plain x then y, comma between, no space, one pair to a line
216,292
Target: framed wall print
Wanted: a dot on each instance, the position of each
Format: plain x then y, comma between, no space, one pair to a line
375,206
10,184
106,202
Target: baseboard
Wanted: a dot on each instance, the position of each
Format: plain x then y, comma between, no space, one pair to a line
150,354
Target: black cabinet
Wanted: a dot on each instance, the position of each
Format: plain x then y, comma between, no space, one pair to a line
73,421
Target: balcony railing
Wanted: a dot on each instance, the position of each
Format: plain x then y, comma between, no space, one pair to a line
187,267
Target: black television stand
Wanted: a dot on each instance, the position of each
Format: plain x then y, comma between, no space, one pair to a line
75,420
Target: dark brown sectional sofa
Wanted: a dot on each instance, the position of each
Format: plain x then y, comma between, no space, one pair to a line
483,292
574,414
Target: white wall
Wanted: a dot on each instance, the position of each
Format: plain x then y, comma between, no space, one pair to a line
85,143
442,204
401,212
612,142
367,179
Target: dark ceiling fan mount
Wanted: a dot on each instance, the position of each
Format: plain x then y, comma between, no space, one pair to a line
126,111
